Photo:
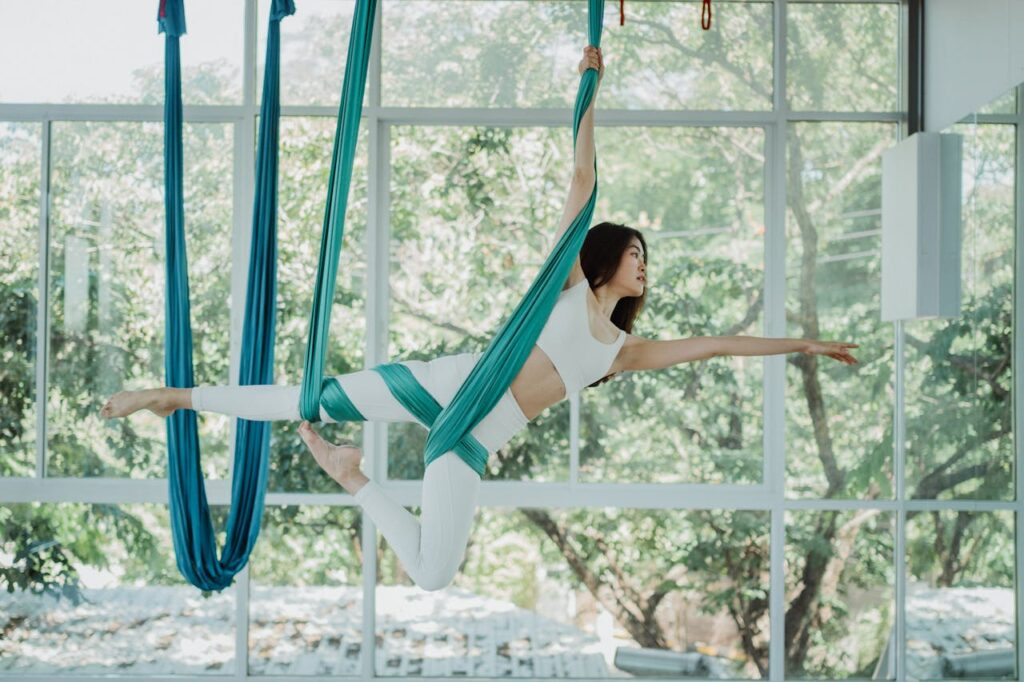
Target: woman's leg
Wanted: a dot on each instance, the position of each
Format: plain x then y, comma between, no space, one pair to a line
257,403
431,548
365,388
268,402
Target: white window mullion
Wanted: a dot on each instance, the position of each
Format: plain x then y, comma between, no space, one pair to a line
43,305
1018,377
242,623
116,113
375,314
775,366
899,454
574,440
774,383
244,134
498,494
378,283
456,116
895,647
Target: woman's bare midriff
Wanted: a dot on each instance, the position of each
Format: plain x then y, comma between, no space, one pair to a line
537,386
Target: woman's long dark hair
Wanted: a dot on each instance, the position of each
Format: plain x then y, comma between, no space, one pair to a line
600,256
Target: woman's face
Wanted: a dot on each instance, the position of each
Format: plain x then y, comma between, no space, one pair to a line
632,273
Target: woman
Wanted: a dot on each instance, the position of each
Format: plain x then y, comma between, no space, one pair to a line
585,341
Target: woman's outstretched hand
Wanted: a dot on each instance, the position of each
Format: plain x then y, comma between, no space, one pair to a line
834,349
592,59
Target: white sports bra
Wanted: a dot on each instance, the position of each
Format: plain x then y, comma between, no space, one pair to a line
578,357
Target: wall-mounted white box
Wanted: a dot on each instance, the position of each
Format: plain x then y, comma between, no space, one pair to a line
921,180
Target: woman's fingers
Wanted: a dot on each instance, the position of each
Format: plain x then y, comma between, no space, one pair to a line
838,355
592,59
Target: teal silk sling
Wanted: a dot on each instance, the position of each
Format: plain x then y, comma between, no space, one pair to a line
191,528
449,427
500,363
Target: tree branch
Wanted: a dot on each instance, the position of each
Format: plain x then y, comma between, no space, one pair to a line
672,41
937,480
808,365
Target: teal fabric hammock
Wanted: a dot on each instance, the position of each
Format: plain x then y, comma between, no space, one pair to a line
449,427
191,528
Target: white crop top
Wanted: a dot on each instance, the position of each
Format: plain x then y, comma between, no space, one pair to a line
578,357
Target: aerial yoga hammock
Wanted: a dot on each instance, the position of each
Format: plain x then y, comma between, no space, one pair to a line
449,427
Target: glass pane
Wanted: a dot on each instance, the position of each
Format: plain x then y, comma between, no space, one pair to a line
959,374
1006,104
843,56
305,164
526,54
306,617
587,593
697,422
314,52
107,288
95,589
960,595
473,215
839,417
840,593
20,152
111,52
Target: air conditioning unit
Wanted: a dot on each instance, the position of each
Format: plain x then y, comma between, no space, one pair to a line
921,227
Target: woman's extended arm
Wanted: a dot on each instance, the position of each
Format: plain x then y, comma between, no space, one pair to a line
658,354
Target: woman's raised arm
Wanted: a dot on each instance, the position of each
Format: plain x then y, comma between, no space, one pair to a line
582,184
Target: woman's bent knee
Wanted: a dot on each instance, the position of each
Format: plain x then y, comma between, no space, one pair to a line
436,579
437,571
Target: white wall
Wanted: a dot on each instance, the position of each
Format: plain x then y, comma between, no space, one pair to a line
974,52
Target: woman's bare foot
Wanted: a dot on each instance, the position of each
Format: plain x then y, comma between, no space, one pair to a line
159,401
341,462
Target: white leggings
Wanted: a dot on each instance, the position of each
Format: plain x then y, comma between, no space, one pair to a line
431,548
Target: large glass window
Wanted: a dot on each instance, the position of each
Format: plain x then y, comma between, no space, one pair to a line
843,56
107,284
305,617
697,196
305,165
839,587
647,526
474,212
525,54
73,52
961,584
960,588
574,593
98,593
314,51
19,295
959,370
838,420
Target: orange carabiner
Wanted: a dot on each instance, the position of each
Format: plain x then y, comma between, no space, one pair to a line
705,15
